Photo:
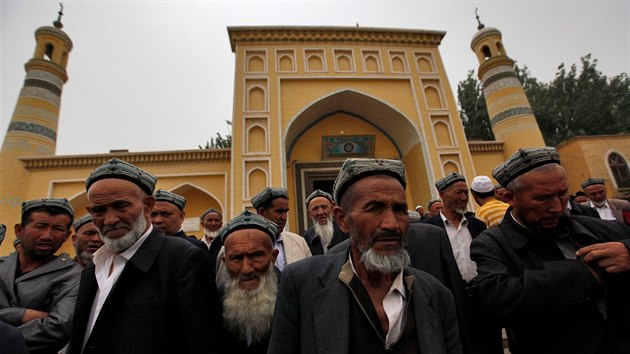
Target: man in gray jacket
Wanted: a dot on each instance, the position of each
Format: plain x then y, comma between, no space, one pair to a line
38,290
367,299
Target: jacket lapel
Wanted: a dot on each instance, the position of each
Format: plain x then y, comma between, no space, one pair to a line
331,310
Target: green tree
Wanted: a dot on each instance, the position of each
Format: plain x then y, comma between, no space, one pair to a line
219,142
472,109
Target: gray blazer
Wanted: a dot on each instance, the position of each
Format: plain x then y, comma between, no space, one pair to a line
313,310
52,288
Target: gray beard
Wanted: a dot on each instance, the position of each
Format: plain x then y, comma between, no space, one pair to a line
325,232
211,235
253,310
122,243
386,264
85,256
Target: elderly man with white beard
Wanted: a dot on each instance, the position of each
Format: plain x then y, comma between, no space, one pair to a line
137,294
367,299
249,295
211,221
325,233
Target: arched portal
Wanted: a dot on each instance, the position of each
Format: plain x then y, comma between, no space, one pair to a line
363,125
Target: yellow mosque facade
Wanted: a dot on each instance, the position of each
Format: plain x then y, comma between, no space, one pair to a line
306,98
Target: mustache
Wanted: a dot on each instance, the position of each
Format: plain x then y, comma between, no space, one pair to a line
118,225
380,234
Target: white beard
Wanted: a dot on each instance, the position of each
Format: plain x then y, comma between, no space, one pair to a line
325,232
250,310
122,243
385,264
211,235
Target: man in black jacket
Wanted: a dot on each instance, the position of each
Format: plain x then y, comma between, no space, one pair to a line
559,283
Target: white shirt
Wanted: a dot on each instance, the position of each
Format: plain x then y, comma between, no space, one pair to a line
605,213
461,238
394,307
106,260
281,260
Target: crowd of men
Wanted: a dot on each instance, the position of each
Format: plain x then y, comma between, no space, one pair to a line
549,270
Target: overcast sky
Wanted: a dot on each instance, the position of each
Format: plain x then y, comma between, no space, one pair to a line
158,75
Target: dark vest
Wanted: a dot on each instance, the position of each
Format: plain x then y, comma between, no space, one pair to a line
367,335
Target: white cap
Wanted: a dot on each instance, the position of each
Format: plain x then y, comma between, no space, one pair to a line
418,206
482,184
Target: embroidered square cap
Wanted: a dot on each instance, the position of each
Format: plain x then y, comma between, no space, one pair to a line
268,194
522,161
116,168
166,196
443,183
353,170
210,210
3,230
592,181
318,193
482,184
249,220
59,203
432,201
81,221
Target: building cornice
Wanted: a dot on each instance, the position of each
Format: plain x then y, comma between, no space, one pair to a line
485,146
579,138
162,157
493,63
49,66
248,35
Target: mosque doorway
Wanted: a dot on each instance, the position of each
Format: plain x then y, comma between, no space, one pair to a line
309,177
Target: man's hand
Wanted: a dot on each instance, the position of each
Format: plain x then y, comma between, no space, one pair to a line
31,314
614,257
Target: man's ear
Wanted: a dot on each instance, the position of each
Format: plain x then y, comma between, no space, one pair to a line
18,230
274,255
509,198
340,216
148,202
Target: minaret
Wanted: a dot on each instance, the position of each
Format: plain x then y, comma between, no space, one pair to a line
511,116
33,127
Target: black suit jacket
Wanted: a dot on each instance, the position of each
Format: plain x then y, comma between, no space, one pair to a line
475,226
430,251
584,210
315,243
163,302
480,334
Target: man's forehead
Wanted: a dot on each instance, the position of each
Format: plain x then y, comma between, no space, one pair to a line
212,215
45,216
319,201
162,205
108,185
250,236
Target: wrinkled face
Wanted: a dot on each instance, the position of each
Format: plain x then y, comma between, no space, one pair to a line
541,204
320,209
167,217
248,255
116,205
43,234
435,209
377,218
276,212
87,239
596,193
212,222
455,196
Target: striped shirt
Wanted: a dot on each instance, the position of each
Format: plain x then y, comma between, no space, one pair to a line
492,212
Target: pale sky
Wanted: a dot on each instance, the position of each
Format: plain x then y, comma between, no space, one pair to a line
159,75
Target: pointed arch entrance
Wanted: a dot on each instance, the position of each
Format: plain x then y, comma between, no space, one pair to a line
346,114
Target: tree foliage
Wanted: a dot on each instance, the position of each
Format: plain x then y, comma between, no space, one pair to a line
576,102
219,142
472,109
